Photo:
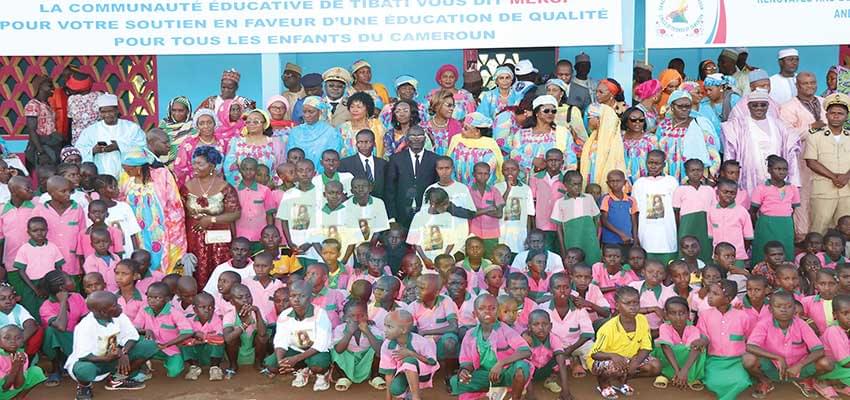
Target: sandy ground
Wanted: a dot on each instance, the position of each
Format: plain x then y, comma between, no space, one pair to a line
249,385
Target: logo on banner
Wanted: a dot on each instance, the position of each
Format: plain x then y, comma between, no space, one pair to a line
680,18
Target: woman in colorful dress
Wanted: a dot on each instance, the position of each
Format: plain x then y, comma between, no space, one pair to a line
637,143
255,144
361,72
315,135
475,145
442,126
496,99
568,116
529,145
404,115
610,93
361,106
212,208
603,151
510,120
204,121
154,198
648,94
683,136
447,77
406,88
229,122
177,124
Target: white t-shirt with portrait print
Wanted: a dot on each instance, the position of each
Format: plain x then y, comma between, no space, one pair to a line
369,219
656,221
513,225
436,232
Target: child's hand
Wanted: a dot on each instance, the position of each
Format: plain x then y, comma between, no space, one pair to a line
41,292
699,344
794,371
149,335
363,326
527,338
680,379
627,239
580,302
284,367
62,296
464,376
783,369
401,354
496,372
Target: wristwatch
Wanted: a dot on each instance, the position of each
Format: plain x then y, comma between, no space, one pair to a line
213,219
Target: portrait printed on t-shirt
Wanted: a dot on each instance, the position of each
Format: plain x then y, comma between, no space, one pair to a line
364,228
302,218
513,211
655,206
433,238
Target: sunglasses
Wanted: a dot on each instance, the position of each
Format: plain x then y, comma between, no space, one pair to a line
549,111
637,119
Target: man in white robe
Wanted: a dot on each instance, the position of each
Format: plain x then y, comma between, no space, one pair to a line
783,86
104,141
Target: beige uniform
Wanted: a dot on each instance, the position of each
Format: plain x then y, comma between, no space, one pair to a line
828,202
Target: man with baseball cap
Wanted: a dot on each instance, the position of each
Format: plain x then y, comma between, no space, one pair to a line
783,86
826,155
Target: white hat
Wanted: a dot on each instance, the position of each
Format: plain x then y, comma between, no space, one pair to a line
545,99
742,50
106,100
788,53
525,67
758,95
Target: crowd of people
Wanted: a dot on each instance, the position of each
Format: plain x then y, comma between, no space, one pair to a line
538,231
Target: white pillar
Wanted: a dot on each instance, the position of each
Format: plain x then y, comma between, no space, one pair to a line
621,58
270,70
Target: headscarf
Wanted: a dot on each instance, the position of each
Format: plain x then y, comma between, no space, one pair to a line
68,151
503,70
443,68
606,145
543,100
79,85
266,119
612,87
478,120
693,144
648,89
225,128
282,123
179,100
667,76
715,80
137,157
317,103
202,112
560,84
275,99
829,91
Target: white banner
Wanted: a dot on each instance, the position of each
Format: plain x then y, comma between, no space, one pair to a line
720,23
116,27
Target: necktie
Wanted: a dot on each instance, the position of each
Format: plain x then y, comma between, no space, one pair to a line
416,167
369,171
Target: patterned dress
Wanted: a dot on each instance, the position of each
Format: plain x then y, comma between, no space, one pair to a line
464,103
183,162
492,102
209,255
505,127
386,116
527,145
673,143
270,154
349,138
443,135
636,151
82,112
466,152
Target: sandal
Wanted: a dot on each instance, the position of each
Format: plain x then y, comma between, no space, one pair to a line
229,374
267,373
53,379
552,386
378,383
844,389
762,389
609,393
578,370
342,384
826,391
661,382
806,388
696,386
627,390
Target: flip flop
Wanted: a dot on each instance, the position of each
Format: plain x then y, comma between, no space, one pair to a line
378,383
661,382
53,380
762,389
578,370
552,386
609,393
342,384
696,386
627,390
826,391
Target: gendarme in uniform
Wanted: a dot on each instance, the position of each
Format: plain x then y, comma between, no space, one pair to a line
832,151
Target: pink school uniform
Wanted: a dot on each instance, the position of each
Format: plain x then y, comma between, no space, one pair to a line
341,278
105,266
84,242
132,306
743,198
13,222
829,263
668,335
466,312
433,318
256,201
836,344
576,324
503,340
793,344
523,312
264,296
542,352
538,288
474,278
602,279
819,310
213,330
332,301
77,309
364,275
593,295
166,326
485,226
820,255
379,314
37,261
730,224
655,297
689,200
426,347
188,312
64,231
775,201
743,303
547,190
698,304
726,332
146,281
222,306
354,345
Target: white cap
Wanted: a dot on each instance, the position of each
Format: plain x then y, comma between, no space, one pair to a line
545,99
758,95
742,50
524,67
106,100
788,53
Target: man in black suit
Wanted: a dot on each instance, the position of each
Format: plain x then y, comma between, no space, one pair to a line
409,173
364,164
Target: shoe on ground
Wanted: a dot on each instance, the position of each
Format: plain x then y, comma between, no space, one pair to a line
194,373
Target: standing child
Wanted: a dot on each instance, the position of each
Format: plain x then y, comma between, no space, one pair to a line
547,188
729,222
264,176
396,248
167,327
129,298
98,212
833,245
680,347
434,230
622,348
16,373
726,329
102,260
66,220
332,300
653,295
519,209
618,212
577,217
773,204
71,172
120,215
369,212
547,356
570,324
691,203
60,314
256,204
774,256
330,164
34,260
656,220
356,343
610,274
263,286
458,192
299,208
489,206
15,213
819,307
731,170
408,360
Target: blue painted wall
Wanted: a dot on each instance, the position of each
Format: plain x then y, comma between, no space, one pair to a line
198,76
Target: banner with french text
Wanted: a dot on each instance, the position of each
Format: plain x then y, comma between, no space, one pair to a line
719,23
117,27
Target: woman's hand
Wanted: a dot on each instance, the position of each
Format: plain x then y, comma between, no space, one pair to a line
204,222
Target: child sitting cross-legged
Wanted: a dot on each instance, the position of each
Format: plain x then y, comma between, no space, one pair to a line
206,346
356,343
168,327
408,360
680,347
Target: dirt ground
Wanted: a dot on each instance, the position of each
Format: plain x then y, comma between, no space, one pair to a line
249,385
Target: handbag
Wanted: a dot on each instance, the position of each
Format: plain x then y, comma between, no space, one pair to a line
217,236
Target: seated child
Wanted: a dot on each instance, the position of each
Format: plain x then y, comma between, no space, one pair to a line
538,279
508,311
331,300
474,264
106,343
842,271
60,314
754,302
774,256
690,248
444,264
680,277
785,347
833,246
491,346
547,356
502,256
726,329
168,328
435,316
680,348
622,347
637,260
574,256
146,276
171,280
240,263
463,300
129,297
812,245
411,270
184,301
653,295
303,339
609,274
356,343
16,372
494,280
576,216
98,212
385,292
121,215
518,289
698,300
285,261
338,274
788,280
725,259
406,357
360,290
245,336
102,260
837,345
570,324
281,302
374,267
206,346
263,286
819,307
12,313
396,247
92,282
586,294
809,266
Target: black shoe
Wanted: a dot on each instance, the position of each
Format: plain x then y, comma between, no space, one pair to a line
126,384
84,392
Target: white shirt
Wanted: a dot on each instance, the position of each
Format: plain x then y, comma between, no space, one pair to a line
369,219
514,222
657,225
245,273
123,217
783,89
345,179
413,159
458,194
90,337
316,326
127,134
371,160
5,195
554,263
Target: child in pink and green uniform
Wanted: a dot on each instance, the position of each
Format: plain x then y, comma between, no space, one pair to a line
435,316
547,355
408,360
165,325
691,203
837,345
206,346
17,375
577,215
774,202
680,347
356,342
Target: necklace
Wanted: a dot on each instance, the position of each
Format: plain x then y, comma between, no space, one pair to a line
211,142
207,191
436,125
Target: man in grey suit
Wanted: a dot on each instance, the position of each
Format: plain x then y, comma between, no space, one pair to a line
577,95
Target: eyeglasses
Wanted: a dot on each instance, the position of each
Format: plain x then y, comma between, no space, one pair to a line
253,122
449,105
549,111
637,119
